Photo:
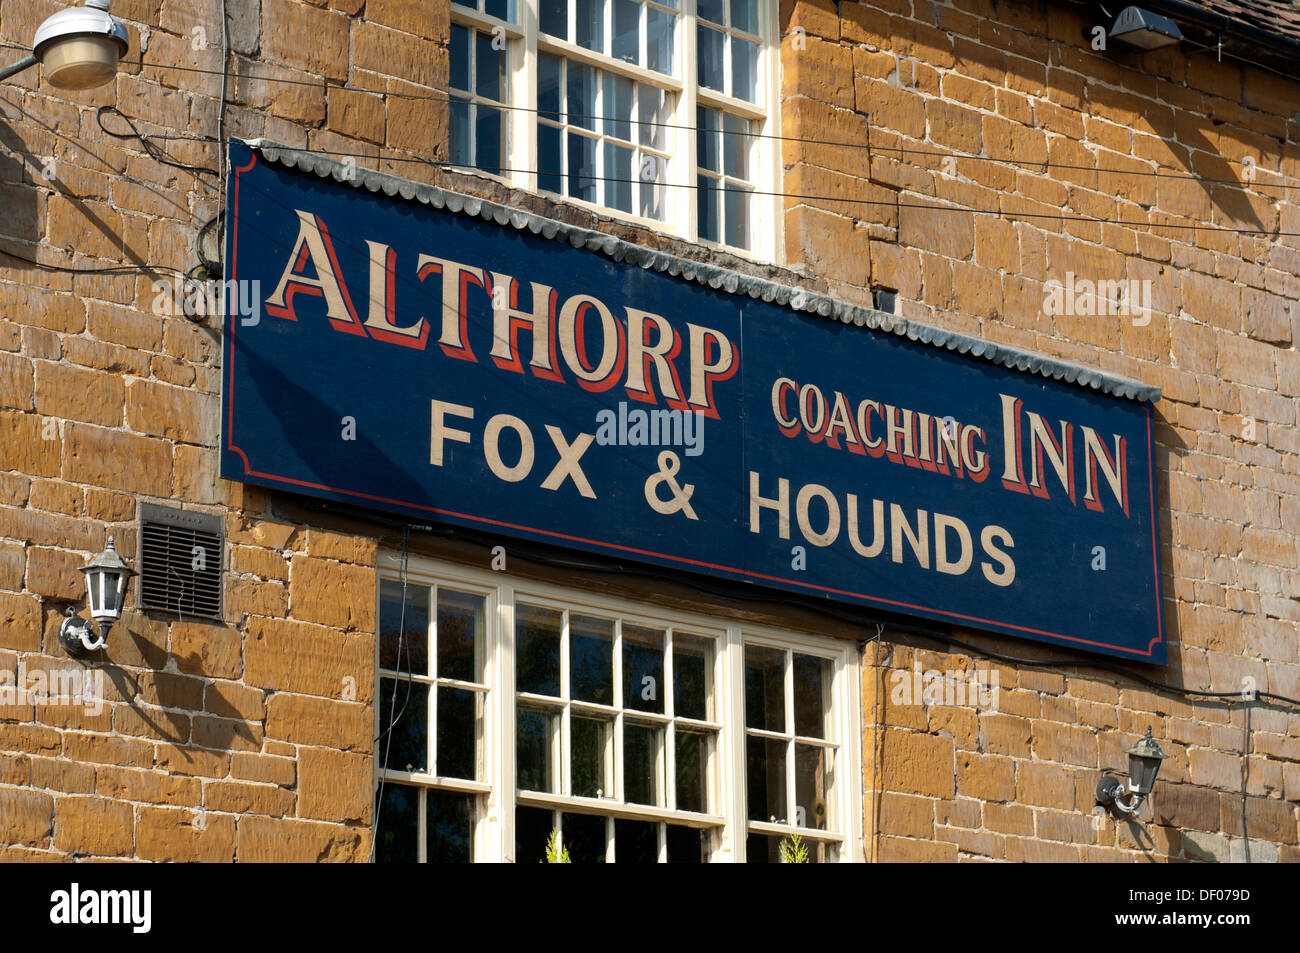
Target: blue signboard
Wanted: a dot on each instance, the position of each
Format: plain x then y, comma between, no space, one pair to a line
388,353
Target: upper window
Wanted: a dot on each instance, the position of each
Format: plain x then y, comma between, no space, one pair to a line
507,716
658,111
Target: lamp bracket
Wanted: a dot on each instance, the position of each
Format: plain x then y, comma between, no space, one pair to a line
77,637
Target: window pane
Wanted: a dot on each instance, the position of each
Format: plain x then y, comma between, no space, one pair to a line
736,215
487,138
554,16
707,201
744,15
709,53
766,849
591,756
764,688
533,826
762,849
643,668
489,67
591,24
736,141
714,10
459,146
582,167
548,86
585,838
414,645
692,667
581,105
537,650
460,734
591,659
636,842
643,763
653,115
651,173
659,40
460,635
406,746
812,779
535,746
458,58
707,153
617,107
549,164
692,759
744,69
618,177
686,845
812,695
397,837
501,9
765,773
447,827
627,30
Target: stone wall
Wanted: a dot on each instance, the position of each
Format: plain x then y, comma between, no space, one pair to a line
250,738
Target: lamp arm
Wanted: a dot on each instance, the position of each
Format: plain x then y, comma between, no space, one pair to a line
1131,808
99,641
22,64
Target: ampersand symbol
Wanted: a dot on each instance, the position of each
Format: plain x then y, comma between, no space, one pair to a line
680,497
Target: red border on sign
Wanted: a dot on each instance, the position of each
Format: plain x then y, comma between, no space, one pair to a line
248,471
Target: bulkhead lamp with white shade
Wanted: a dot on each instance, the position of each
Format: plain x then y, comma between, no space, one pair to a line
79,48
106,578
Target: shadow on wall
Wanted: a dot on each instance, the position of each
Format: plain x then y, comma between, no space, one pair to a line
22,203
178,707
56,187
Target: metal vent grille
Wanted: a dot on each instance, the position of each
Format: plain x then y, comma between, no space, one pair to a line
180,561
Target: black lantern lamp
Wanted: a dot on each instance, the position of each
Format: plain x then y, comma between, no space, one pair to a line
1143,765
106,579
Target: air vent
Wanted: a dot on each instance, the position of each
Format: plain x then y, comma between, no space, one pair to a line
180,561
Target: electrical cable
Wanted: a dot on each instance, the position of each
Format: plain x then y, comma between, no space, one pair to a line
1245,775
394,715
151,150
1190,693
999,213
447,96
111,270
214,267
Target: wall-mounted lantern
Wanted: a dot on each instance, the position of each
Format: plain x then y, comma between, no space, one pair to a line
106,579
1143,765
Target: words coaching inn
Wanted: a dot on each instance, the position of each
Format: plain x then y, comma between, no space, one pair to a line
640,431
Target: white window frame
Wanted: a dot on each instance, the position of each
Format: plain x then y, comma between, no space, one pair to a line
519,151
493,838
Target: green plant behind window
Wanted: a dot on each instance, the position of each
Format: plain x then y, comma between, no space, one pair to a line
558,855
793,850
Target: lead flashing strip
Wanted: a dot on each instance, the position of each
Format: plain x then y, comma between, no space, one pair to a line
703,273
